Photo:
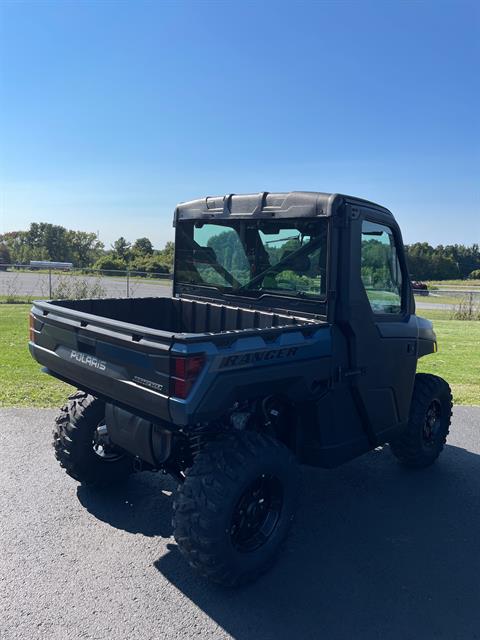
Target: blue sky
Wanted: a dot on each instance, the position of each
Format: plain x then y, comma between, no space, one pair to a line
112,112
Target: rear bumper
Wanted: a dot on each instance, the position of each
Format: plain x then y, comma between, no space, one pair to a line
109,384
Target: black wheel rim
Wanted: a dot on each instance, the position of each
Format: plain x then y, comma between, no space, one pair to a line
431,426
257,514
102,446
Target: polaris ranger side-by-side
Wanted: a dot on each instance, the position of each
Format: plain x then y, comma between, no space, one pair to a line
291,337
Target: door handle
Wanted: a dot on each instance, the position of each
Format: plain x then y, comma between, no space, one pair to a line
411,348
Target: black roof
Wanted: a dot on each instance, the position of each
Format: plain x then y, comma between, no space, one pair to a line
291,204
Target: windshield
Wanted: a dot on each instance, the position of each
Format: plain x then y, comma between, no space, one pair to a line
284,257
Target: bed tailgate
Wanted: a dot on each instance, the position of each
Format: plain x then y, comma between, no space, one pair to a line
119,361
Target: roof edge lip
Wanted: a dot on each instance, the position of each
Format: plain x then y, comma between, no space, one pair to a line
301,203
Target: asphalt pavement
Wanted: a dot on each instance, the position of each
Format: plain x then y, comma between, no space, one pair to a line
444,306
377,552
37,285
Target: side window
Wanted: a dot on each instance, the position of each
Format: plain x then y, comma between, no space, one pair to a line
380,268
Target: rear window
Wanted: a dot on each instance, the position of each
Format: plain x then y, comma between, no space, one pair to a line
286,257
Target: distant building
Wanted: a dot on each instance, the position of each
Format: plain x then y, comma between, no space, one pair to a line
46,264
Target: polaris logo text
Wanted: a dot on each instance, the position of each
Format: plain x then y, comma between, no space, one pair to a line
90,361
257,356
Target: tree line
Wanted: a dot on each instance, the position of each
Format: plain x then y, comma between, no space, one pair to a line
45,241
50,242
443,262
425,262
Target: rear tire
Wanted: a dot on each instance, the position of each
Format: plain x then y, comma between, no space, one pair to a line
430,414
77,447
235,508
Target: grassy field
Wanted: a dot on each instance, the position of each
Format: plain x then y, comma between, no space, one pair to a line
439,298
463,284
23,385
458,357
14,299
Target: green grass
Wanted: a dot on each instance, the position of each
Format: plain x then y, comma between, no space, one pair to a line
458,357
438,298
435,314
23,385
464,284
18,299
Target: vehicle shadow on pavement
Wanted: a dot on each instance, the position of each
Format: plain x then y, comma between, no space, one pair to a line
377,551
142,505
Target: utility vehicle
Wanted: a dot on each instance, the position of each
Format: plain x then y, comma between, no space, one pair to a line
290,338
420,288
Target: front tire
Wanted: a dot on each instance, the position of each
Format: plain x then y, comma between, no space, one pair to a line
430,414
79,447
236,506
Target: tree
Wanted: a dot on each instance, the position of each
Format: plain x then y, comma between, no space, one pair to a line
442,262
15,241
110,263
121,248
444,268
166,254
142,247
375,261
85,248
149,264
45,241
467,259
49,242
4,254
229,251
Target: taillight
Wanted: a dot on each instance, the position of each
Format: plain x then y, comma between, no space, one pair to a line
184,372
31,325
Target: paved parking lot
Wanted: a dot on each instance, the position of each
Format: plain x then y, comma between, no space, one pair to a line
377,552
36,285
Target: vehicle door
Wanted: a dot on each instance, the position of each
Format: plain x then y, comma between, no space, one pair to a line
383,327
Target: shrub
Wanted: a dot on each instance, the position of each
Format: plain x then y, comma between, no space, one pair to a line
475,275
110,263
149,264
72,287
466,309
